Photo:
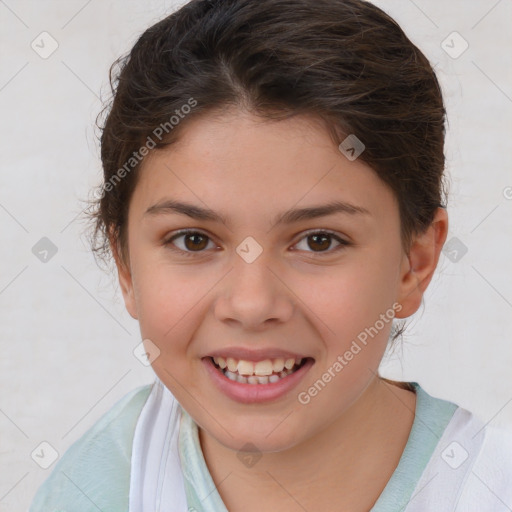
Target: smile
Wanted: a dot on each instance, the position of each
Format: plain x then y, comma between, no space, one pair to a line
253,388
267,371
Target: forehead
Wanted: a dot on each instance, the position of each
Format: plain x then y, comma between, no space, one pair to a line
237,162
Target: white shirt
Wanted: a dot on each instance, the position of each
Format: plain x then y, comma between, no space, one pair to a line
469,469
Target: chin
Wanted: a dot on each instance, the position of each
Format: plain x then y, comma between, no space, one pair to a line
259,437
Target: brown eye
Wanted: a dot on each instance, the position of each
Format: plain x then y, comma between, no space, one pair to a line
321,242
197,241
193,241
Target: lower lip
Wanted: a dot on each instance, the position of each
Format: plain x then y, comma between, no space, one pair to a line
255,393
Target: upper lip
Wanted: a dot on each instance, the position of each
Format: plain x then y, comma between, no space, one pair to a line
255,354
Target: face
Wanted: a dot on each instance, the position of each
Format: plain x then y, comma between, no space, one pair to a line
257,289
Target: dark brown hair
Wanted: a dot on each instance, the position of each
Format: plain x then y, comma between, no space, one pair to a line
345,62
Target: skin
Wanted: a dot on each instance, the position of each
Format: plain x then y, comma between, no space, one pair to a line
338,451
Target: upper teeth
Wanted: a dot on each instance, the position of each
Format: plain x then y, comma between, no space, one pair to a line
260,368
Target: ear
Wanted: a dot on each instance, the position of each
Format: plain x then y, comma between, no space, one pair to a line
125,278
419,265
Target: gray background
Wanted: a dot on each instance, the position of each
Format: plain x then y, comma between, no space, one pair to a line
65,338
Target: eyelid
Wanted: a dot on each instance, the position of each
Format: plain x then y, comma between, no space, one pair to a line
176,234
321,230
343,242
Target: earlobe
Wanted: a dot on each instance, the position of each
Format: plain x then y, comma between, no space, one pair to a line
419,265
125,281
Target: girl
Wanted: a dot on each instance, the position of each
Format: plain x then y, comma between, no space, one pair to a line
273,200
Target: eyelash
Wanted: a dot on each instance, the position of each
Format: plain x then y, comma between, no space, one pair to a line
169,242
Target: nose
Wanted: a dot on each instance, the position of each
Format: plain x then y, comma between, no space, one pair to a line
254,296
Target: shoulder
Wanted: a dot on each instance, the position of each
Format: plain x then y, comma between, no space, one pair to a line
94,473
487,444
495,457
471,468
488,485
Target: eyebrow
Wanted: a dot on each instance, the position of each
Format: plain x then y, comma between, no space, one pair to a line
171,206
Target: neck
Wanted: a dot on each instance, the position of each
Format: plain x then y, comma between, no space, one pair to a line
364,445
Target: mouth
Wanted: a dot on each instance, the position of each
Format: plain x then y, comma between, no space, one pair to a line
252,382
267,371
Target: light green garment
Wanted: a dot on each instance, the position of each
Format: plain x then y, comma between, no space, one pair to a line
431,418
94,473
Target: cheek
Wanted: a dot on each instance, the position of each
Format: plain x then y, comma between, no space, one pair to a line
167,299
352,312
352,295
